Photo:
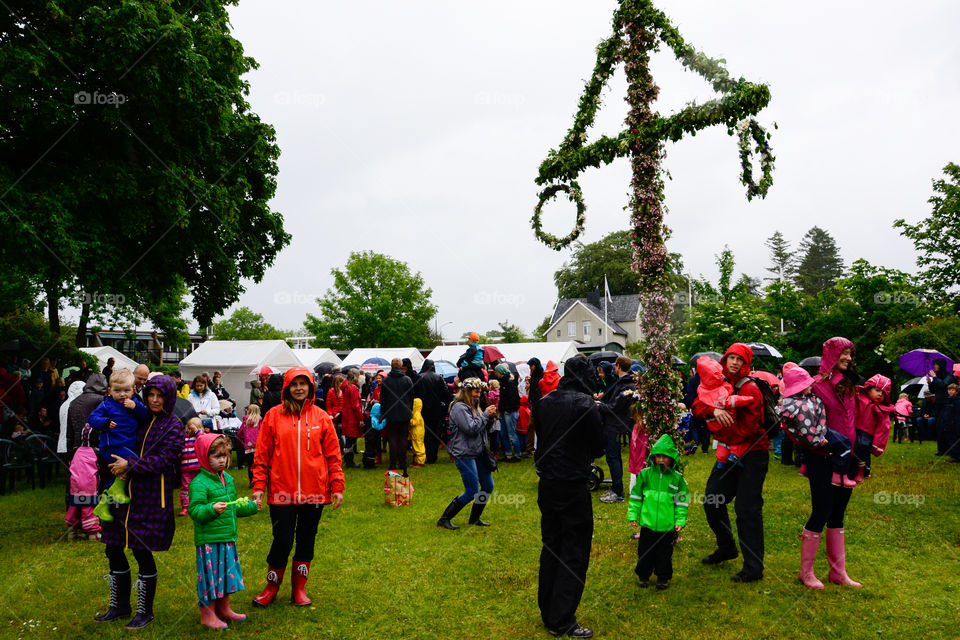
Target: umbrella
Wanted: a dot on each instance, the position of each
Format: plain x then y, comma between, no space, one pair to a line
769,378
325,368
374,364
677,361
603,356
813,362
492,354
713,355
920,361
915,386
763,350
263,371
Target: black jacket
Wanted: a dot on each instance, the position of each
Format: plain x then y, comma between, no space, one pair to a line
569,431
396,397
617,416
433,391
273,395
509,395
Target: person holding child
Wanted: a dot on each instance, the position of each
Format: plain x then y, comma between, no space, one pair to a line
146,523
658,504
298,459
214,509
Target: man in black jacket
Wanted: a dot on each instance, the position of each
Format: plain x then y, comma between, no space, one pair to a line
617,420
396,409
570,437
436,397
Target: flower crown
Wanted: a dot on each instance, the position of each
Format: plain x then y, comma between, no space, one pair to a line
473,383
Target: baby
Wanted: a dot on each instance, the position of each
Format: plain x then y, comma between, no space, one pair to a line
717,393
873,425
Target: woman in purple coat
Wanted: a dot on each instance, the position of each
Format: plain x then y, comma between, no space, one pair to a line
146,523
836,386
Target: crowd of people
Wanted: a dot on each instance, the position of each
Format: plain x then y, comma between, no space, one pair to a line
132,437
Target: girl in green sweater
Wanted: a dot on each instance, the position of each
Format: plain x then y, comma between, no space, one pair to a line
214,508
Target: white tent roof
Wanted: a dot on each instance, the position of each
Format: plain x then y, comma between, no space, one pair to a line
559,352
235,359
103,353
357,356
312,357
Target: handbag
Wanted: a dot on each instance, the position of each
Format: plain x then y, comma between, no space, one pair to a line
488,459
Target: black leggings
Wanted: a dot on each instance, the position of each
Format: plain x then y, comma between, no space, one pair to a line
146,565
397,435
828,502
293,521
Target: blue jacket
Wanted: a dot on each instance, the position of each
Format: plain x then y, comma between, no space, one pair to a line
375,420
124,435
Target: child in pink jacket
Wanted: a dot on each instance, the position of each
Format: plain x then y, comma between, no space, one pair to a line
83,492
717,393
872,424
904,409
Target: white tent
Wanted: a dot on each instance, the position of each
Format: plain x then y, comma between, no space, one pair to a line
120,361
235,359
559,352
312,357
357,356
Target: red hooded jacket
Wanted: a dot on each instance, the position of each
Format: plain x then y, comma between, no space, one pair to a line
297,460
551,378
747,424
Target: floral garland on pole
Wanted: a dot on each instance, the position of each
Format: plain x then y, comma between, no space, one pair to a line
638,30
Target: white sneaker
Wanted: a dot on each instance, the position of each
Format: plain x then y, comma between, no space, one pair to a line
610,498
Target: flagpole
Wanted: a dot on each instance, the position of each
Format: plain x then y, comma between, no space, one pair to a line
606,327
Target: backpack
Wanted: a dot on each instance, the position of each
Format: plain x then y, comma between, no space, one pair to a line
771,421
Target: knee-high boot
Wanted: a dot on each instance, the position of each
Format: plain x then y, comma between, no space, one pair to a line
452,509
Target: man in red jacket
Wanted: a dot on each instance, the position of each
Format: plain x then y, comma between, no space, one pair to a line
741,482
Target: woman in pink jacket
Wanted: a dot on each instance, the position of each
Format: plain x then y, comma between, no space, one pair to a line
836,387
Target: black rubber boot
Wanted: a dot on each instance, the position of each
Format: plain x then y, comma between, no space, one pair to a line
452,509
119,596
146,589
475,512
348,461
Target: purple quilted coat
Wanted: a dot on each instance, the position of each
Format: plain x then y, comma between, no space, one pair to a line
148,521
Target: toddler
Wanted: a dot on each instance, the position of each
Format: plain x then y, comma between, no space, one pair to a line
416,434
214,508
117,419
83,491
248,433
523,421
904,409
716,392
873,425
189,465
658,502
493,397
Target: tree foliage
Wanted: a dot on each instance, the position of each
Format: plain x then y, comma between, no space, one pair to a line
781,258
540,333
375,301
244,324
940,333
130,162
937,238
612,256
820,265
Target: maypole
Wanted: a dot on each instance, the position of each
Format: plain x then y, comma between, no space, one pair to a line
638,30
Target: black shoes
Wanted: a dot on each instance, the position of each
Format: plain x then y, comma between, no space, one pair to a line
576,631
475,513
661,586
643,584
719,556
452,509
743,577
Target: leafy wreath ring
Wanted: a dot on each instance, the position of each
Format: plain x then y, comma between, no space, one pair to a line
574,195
751,130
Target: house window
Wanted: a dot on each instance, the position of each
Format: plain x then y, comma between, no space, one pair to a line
587,329
558,333
599,332
572,329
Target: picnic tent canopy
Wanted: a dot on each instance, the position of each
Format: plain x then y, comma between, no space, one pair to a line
312,357
235,359
359,356
559,352
102,354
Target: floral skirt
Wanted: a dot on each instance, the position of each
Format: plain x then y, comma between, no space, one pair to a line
218,571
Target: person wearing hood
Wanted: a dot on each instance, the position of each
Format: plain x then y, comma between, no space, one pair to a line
742,483
214,509
872,424
836,386
436,398
570,431
74,392
416,434
407,366
658,504
396,408
616,410
534,395
938,380
298,459
146,523
605,378
508,406
351,422
272,395
551,378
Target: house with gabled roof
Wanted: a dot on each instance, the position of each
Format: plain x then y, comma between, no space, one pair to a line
582,320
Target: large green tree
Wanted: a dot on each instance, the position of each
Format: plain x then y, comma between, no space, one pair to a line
583,273
245,324
820,264
781,258
131,165
937,238
375,301
941,333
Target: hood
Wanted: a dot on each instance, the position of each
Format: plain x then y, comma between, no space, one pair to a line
168,389
577,375
711,374
202,449
880,382
407,363
300,371
428,366
744,352
276,382
524,401
943,372
607,368
665,447
535,367
552,375
417,405
97,383
75,390
832,349
396,373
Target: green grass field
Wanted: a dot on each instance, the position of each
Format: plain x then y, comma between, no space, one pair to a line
391,572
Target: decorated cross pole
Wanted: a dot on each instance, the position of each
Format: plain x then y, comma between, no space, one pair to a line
638,30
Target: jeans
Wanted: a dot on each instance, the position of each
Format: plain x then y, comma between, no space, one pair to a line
508,431
475,476
615,463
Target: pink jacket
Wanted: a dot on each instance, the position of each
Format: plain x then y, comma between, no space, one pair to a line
841,411
875,421
639,450
248,434
83,469
904,407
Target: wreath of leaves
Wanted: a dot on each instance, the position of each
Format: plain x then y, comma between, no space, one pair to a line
574,195
740,100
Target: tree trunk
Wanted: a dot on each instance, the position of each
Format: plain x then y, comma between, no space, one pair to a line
81,340
53,306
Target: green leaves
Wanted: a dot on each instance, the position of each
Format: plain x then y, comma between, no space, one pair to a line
244,324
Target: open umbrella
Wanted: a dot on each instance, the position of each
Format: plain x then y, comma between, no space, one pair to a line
491,354
813,362
772,380
263,371
603,356
915,386
374,364
920,361
713,355
325,368
763,350
677,362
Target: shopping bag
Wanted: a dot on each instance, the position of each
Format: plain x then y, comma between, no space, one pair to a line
397,490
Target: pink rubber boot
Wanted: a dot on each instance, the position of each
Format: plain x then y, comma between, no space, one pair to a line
837,556
809,544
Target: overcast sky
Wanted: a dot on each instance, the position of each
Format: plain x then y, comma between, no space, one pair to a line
415,129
